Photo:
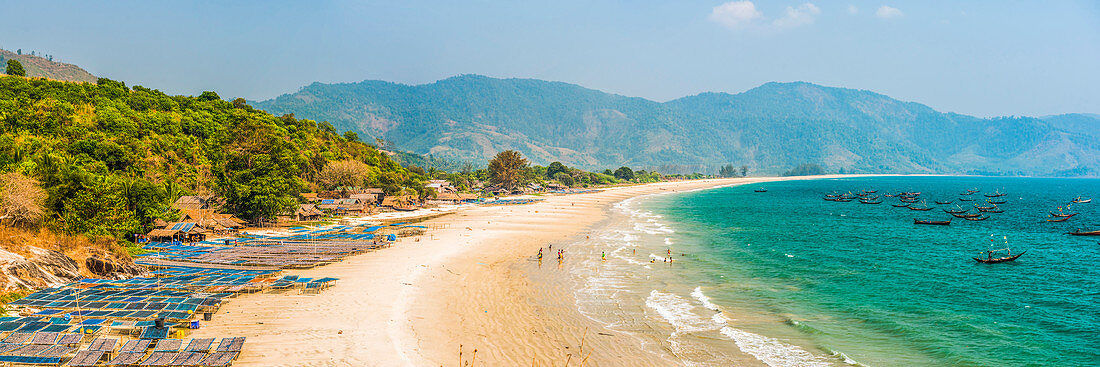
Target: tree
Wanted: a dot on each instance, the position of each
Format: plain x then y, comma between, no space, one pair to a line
624,173
564,178
554,168
351,136
727,171
345,173
21,200
15,68
744,171
209,96
508,169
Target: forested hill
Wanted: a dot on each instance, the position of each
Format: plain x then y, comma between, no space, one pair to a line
45,67
770,128
107,159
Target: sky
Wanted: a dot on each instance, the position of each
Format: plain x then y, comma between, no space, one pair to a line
984,58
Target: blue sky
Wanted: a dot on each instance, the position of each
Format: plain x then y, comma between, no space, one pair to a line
985,58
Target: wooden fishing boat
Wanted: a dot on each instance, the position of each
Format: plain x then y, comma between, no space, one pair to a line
959,211
908,200
992,260
966,199
900,205
972,190
994,210
404,208
1058,219
995,195
843,200
964,216
945,202
1053,214
996,201
920,209
966,193
870,191
932,222
761,190
1079,200
985,207
1085,233
870,202
979,217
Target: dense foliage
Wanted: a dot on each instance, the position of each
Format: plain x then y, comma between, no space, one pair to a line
769,128
112,159
805,169
15,68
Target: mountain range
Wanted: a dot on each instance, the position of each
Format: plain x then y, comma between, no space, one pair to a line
770,128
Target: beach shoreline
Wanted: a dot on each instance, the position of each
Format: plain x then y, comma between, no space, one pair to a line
464,283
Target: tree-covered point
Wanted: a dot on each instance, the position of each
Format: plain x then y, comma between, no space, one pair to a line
112,159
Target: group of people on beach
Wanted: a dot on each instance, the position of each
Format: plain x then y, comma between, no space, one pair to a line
561,253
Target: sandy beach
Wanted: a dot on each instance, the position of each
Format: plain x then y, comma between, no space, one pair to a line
461,284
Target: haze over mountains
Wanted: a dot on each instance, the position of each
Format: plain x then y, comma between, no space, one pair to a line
770,128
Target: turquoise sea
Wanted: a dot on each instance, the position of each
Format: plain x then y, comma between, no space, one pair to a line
865,284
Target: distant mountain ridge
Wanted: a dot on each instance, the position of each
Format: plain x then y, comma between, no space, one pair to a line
770,128
41,67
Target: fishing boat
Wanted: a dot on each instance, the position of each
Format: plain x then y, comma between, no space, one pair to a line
985,207
920,209
932,222
945,202
1062,215
870,191
989,259
1085,233
966,199
964,216
971,191
979,217
954,211
1058,219
870,201
1081,200
761,190
966,193
904,200
404,208
993,210
900,205
995,195
993,260
996,201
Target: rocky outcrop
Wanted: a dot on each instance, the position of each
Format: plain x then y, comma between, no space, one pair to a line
107,268
41,268
38,268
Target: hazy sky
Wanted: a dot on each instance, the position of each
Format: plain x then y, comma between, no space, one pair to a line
976,57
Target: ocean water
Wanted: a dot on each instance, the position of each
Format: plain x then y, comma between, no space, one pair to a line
785,278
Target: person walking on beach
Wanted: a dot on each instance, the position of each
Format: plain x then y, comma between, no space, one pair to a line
603,256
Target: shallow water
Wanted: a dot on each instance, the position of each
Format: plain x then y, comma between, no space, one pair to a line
803,281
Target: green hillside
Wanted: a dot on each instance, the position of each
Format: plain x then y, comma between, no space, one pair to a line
771,128
42,67
112,158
